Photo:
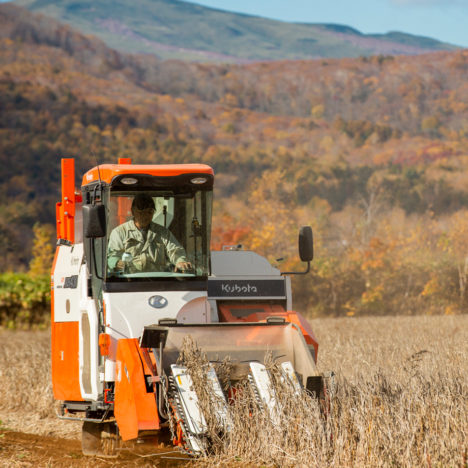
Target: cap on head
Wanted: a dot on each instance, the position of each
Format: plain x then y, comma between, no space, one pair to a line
142,201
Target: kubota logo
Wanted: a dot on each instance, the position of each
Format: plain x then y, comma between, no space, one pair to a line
236,288
157,302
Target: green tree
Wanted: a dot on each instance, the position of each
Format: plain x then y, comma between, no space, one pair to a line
42,251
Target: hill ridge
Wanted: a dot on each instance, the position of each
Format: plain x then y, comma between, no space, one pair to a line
187,31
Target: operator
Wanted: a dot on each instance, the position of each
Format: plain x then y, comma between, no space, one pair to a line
147,246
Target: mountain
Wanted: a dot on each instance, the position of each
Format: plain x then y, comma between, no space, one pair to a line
370,151
183,30
335,128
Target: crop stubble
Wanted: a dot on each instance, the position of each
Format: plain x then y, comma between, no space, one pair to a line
401,398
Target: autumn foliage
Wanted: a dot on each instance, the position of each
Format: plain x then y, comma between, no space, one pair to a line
371,152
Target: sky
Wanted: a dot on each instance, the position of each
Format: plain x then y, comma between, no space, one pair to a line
445,20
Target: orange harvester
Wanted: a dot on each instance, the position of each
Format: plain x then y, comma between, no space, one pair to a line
126,293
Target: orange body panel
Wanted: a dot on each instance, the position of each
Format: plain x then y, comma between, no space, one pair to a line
59,221
109,171
134,408
65,361
64,353
124,209
260,312
65,210
104,344
306,329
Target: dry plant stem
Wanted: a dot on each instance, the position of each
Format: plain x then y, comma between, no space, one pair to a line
26,399
401,398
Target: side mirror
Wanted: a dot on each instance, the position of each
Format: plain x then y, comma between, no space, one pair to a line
94,221
306,244
306,250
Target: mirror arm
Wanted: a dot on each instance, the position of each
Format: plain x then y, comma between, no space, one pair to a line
297,272
93,253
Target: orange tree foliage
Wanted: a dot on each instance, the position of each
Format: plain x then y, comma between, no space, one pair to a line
371,152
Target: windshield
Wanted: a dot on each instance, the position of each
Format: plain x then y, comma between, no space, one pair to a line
158,235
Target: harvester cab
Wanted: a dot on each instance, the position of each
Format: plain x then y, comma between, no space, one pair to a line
133,277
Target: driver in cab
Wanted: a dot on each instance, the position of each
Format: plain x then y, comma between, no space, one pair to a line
139,245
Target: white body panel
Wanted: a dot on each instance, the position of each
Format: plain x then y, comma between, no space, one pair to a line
291,376
72,304
90,383
240,263
128,313
194,419
262,382
68,283
222,414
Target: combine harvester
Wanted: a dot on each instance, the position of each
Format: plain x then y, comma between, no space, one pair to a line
120,312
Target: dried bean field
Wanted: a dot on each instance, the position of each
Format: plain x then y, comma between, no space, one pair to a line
401,399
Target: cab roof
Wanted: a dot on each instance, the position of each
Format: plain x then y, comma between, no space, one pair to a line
107,172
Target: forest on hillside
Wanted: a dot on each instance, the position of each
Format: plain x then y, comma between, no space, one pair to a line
372,152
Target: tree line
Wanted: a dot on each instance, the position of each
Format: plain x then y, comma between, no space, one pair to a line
370,152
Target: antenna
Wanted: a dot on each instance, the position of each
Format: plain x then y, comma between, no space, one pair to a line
99,175
97,164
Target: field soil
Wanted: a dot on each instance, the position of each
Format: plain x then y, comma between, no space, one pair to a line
402,395
24,449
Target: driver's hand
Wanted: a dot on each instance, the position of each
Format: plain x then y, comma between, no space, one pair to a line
119,266
183,266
